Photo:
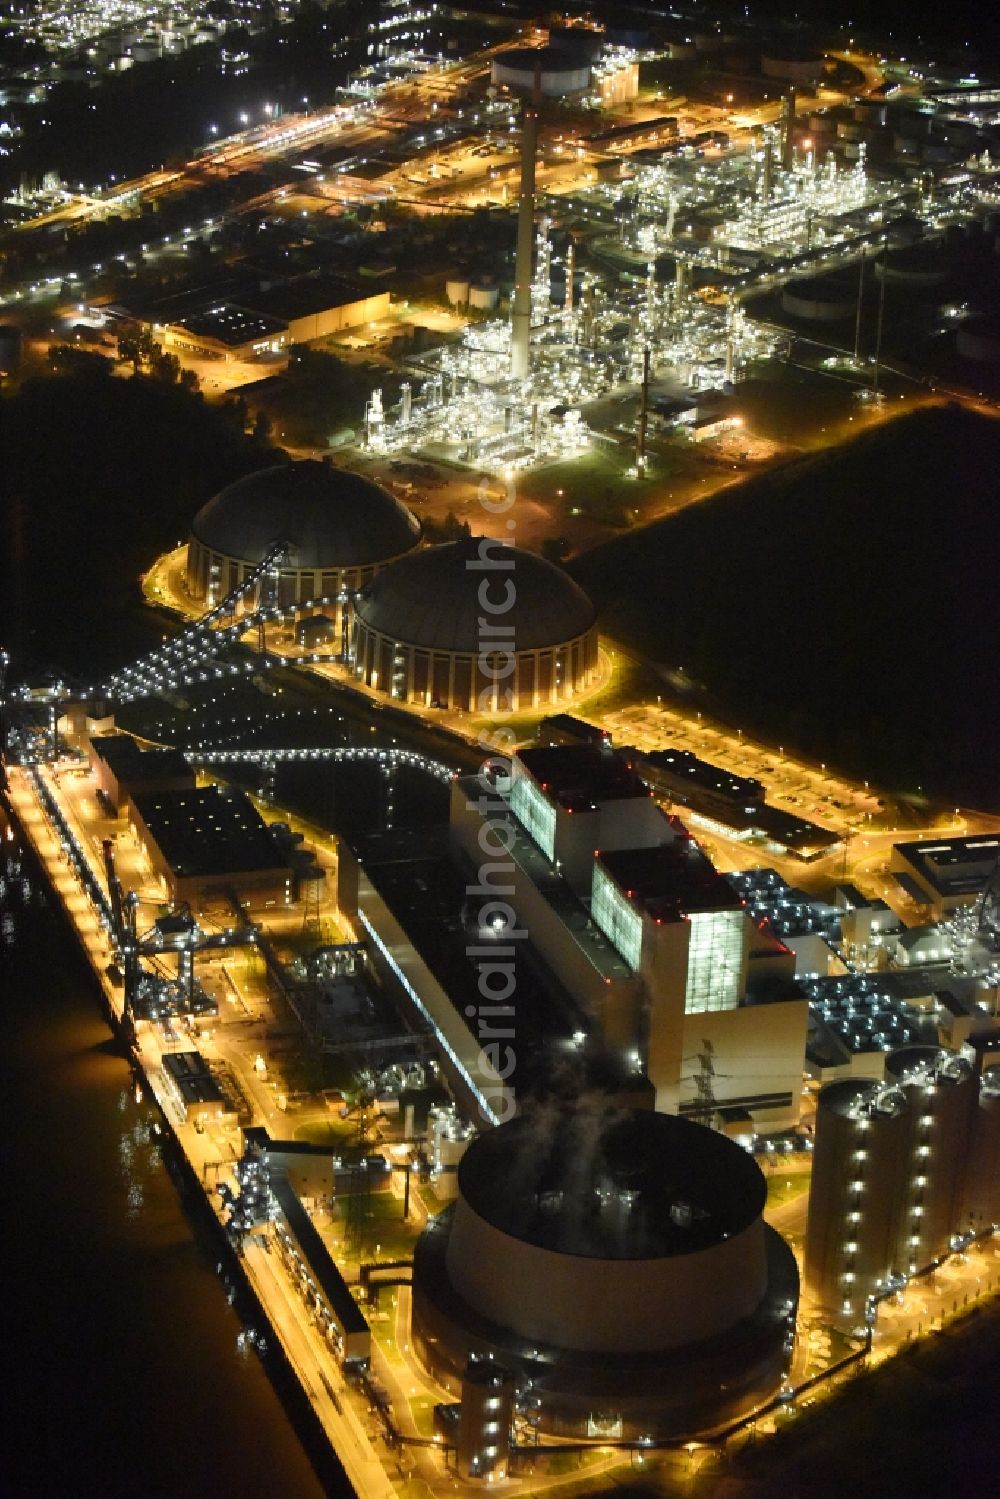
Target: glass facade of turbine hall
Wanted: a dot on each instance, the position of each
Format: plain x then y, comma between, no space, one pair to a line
616,917
533,810
715,961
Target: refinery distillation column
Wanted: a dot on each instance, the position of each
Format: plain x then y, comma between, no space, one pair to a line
520,333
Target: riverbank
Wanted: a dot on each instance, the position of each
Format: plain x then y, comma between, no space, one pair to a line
128,1374
324,1415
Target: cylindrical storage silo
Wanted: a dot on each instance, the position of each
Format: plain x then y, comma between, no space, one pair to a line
484,298
942,1094
979,339
860,1171
980,1208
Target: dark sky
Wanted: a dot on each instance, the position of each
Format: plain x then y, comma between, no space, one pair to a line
945,23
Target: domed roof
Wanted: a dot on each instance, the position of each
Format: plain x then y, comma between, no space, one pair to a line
431,599
330,517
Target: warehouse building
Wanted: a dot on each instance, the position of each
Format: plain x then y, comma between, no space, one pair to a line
227,333
942,874
208,842
314,307
122,770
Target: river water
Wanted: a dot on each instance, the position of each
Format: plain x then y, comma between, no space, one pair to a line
123,1369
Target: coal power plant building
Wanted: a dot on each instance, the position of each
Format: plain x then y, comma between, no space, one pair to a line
475,625
617,1263
339,529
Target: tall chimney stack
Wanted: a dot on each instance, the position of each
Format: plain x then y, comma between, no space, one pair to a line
520,332
787,125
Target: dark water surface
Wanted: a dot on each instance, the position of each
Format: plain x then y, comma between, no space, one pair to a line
122,1370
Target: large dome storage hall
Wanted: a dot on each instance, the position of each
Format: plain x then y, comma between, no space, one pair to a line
445,627
339,527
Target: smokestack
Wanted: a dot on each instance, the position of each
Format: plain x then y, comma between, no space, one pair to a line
787,123
520,333
640,443
588,313
857,319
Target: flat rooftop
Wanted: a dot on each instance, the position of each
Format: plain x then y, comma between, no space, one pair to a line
869,1012
190,1076
208,831
566,723
129,762
331,1283
415,873
629,131
789,912
953,866
792,832
311,294
702,775
581,776
230,325
671,880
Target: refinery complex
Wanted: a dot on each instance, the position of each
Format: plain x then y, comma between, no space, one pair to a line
571,1081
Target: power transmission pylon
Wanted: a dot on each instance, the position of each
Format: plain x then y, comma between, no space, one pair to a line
707,1106
359,1201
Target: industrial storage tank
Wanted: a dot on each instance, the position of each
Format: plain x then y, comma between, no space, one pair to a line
915,266
794,67
857,1199
339,528
484,298
618,1259
980,1200
979,339
941,1089
418,632
560,72
819,299
10,349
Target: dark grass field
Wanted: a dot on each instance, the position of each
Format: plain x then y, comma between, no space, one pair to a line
847,605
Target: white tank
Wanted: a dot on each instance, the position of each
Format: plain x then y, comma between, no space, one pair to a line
450,1137
484,298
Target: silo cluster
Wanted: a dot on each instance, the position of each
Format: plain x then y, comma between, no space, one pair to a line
902,1169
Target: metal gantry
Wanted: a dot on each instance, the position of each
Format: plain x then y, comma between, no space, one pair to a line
268,759
192,655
